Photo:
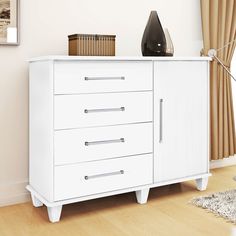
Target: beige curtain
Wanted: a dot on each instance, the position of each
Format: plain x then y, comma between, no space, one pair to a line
219,28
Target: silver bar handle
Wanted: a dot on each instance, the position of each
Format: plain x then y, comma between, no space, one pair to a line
120,140
120,172
104,110
104,78
161,121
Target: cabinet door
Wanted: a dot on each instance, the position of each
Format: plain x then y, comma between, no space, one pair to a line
180,119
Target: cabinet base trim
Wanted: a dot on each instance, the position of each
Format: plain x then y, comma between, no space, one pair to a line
174,181
80,199
55,208
106,194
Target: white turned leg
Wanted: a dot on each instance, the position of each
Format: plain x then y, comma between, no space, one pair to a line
142,195
202,183
54,213
35,201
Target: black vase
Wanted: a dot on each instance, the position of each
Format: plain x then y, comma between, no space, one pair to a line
153,41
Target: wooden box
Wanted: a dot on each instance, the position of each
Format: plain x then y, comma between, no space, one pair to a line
91,45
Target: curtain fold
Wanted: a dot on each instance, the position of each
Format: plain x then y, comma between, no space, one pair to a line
219,28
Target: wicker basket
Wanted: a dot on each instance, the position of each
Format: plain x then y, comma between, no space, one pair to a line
91,45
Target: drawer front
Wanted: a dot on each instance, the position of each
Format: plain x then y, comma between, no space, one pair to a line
87,110
102,176
79,145
94,77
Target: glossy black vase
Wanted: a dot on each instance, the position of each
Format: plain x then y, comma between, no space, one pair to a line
153,41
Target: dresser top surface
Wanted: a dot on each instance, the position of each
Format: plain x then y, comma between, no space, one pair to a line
115,58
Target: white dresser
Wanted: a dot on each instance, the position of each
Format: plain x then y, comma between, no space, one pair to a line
101,126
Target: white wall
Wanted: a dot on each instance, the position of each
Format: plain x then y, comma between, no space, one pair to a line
45,25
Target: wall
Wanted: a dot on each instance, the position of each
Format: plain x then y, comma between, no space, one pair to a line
44,28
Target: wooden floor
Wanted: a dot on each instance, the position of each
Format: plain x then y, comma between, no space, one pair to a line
167,213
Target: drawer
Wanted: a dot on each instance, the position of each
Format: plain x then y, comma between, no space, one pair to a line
79,145
89,178
94,77
87,110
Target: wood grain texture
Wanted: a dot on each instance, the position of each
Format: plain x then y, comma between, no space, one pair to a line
167,213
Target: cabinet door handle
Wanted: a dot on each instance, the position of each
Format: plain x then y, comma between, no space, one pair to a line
104,110
120,172
120,140
104,78
161,121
